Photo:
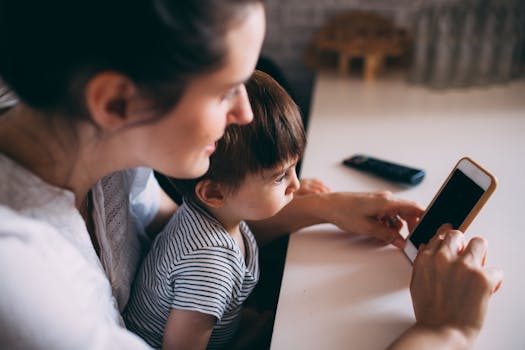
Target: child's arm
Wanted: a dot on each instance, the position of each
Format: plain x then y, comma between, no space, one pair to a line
187,330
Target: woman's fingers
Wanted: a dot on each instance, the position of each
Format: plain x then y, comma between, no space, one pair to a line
435,242
412,221
475,255
450,286
495,278
379,215
382,230
453,243
405,209
476,252
392,222
320,186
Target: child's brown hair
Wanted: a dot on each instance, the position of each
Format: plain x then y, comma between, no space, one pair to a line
276,135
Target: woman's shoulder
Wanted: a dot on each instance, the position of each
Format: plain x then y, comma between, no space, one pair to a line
16,225
35,253
31,244
22,190
46,285
44,240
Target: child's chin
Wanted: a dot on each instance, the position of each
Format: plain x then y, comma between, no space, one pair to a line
281,207
266,215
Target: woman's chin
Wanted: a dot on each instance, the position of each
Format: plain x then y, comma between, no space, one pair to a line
193,171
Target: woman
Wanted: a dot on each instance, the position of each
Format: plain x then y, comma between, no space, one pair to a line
110,90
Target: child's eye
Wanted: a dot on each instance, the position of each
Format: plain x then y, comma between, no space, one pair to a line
281,178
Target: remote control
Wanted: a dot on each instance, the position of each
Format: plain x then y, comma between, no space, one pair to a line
385,169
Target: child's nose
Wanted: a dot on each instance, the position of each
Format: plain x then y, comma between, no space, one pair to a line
294,184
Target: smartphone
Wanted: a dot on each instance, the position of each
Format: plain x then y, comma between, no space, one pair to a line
458,201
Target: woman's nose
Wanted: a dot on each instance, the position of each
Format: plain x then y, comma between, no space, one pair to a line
241,111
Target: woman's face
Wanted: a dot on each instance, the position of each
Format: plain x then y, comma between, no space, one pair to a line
180,144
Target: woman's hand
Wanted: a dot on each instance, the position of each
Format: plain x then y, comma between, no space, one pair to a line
378,215
312,185
450,285
450,291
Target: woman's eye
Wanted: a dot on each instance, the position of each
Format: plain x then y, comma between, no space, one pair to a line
231,93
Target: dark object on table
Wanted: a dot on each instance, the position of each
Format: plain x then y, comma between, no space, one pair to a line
385,169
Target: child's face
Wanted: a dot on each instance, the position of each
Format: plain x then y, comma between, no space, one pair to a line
262,195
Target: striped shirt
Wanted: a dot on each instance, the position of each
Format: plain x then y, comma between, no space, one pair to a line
194,264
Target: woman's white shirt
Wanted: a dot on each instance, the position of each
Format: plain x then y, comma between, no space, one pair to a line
55,293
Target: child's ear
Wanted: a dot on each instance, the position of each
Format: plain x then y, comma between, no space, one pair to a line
210,193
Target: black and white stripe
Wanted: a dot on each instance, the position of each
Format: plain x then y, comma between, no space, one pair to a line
194,264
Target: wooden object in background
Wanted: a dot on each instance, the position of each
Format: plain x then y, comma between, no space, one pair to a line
358,34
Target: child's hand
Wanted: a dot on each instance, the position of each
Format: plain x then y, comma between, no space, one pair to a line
309,186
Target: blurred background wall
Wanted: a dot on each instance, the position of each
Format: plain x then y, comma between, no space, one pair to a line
456,42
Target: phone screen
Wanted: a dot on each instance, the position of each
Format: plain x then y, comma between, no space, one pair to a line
453,205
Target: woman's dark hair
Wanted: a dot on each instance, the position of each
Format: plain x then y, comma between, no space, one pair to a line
50,49
276,135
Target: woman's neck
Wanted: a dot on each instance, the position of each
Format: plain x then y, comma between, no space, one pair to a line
65,154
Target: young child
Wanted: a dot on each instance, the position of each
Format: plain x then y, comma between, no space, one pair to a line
202,267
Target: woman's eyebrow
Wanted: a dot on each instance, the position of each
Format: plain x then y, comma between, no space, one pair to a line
239,82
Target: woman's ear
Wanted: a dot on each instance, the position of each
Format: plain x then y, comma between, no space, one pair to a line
108,96
210,193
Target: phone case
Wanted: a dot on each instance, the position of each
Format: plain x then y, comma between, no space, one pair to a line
475,210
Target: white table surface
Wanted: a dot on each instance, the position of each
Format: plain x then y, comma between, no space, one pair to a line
344,292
